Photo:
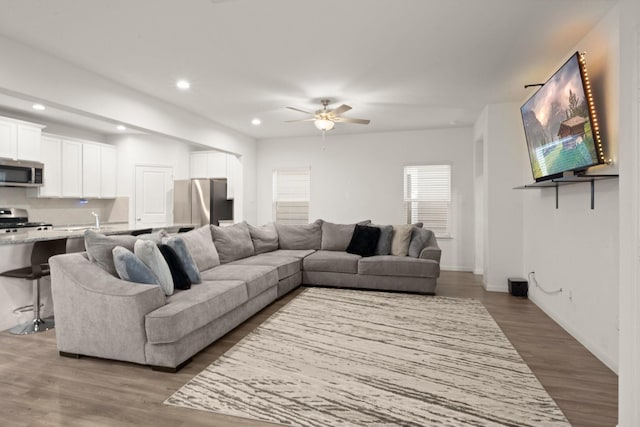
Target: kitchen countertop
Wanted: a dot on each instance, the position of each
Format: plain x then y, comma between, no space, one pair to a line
76,232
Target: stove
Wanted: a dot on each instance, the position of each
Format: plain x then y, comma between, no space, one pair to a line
13,220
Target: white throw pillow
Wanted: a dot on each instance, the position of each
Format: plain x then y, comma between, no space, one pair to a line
151,256
401,239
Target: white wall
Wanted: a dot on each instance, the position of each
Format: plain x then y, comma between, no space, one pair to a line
498,133
573,247
32,74
360,177
147,150
629,154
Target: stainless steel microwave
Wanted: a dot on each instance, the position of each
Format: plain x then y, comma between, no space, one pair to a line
20,173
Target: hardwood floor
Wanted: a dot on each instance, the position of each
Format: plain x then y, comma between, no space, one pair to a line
39,388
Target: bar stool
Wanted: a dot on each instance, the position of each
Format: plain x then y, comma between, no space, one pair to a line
42,251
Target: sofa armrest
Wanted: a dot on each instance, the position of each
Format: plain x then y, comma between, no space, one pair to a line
431,250
98,314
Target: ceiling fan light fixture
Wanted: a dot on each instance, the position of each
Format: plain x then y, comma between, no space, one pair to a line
324,124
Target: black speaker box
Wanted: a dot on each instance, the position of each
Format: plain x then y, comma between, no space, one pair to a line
518,287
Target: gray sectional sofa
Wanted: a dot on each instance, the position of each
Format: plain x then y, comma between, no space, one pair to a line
242,268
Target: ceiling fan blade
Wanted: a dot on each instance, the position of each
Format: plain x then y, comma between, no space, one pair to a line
352,120
301,120
301,110
341,109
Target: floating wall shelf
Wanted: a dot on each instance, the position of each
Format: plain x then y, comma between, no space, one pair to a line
566,180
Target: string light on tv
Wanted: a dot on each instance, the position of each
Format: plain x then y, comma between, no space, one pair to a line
592,110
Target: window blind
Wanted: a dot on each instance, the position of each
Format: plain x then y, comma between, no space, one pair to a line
427,196
291,195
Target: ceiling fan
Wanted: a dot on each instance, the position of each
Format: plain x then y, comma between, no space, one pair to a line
325,119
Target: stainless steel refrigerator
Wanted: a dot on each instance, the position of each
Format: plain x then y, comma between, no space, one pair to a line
201,201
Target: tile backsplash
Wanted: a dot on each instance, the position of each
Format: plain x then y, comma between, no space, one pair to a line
65,211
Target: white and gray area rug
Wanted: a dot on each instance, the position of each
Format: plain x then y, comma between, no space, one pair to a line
335,357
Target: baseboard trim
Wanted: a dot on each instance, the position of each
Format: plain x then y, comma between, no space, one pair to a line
455,268
611,364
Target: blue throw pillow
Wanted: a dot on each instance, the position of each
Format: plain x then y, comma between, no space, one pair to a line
190,267
130,268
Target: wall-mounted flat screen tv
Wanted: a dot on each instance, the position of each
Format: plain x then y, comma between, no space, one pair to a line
560,123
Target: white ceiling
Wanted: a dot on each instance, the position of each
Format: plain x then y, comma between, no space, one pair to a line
404,64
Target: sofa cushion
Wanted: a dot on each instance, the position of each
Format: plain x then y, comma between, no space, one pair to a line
258,278
187,311
419,239
338,262
188,264
389,265
130,268
401,239
232,242
265,238
287,266
150,255
179,276
307,236
295,253
364,240
336,237
201,247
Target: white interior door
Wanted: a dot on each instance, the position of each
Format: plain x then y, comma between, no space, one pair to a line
154,196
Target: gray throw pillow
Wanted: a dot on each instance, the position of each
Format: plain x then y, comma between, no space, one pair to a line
297,237
100,248
150,255
419,239
201,247
384,242
265,238
232,242
190,267
336,237
401,239
130,268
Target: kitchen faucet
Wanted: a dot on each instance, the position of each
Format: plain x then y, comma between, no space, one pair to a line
97,220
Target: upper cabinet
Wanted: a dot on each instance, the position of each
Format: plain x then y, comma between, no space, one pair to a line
20,140
51,150
108,171
208,164
75,168
71,168
215,164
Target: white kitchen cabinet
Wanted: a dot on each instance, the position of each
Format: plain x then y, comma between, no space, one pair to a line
20,140
198,165
108,171
51,152
91,170
209,164
29,142
216,165
8,140
71,168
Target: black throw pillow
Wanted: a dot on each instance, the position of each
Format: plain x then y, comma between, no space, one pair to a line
180,277
364,240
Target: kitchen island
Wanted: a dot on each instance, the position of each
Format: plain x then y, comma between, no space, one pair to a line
15,252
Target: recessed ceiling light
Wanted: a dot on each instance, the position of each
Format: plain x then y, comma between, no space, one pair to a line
121,127
256,122
38,107
183,84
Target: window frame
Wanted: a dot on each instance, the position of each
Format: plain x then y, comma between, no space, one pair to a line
439,233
